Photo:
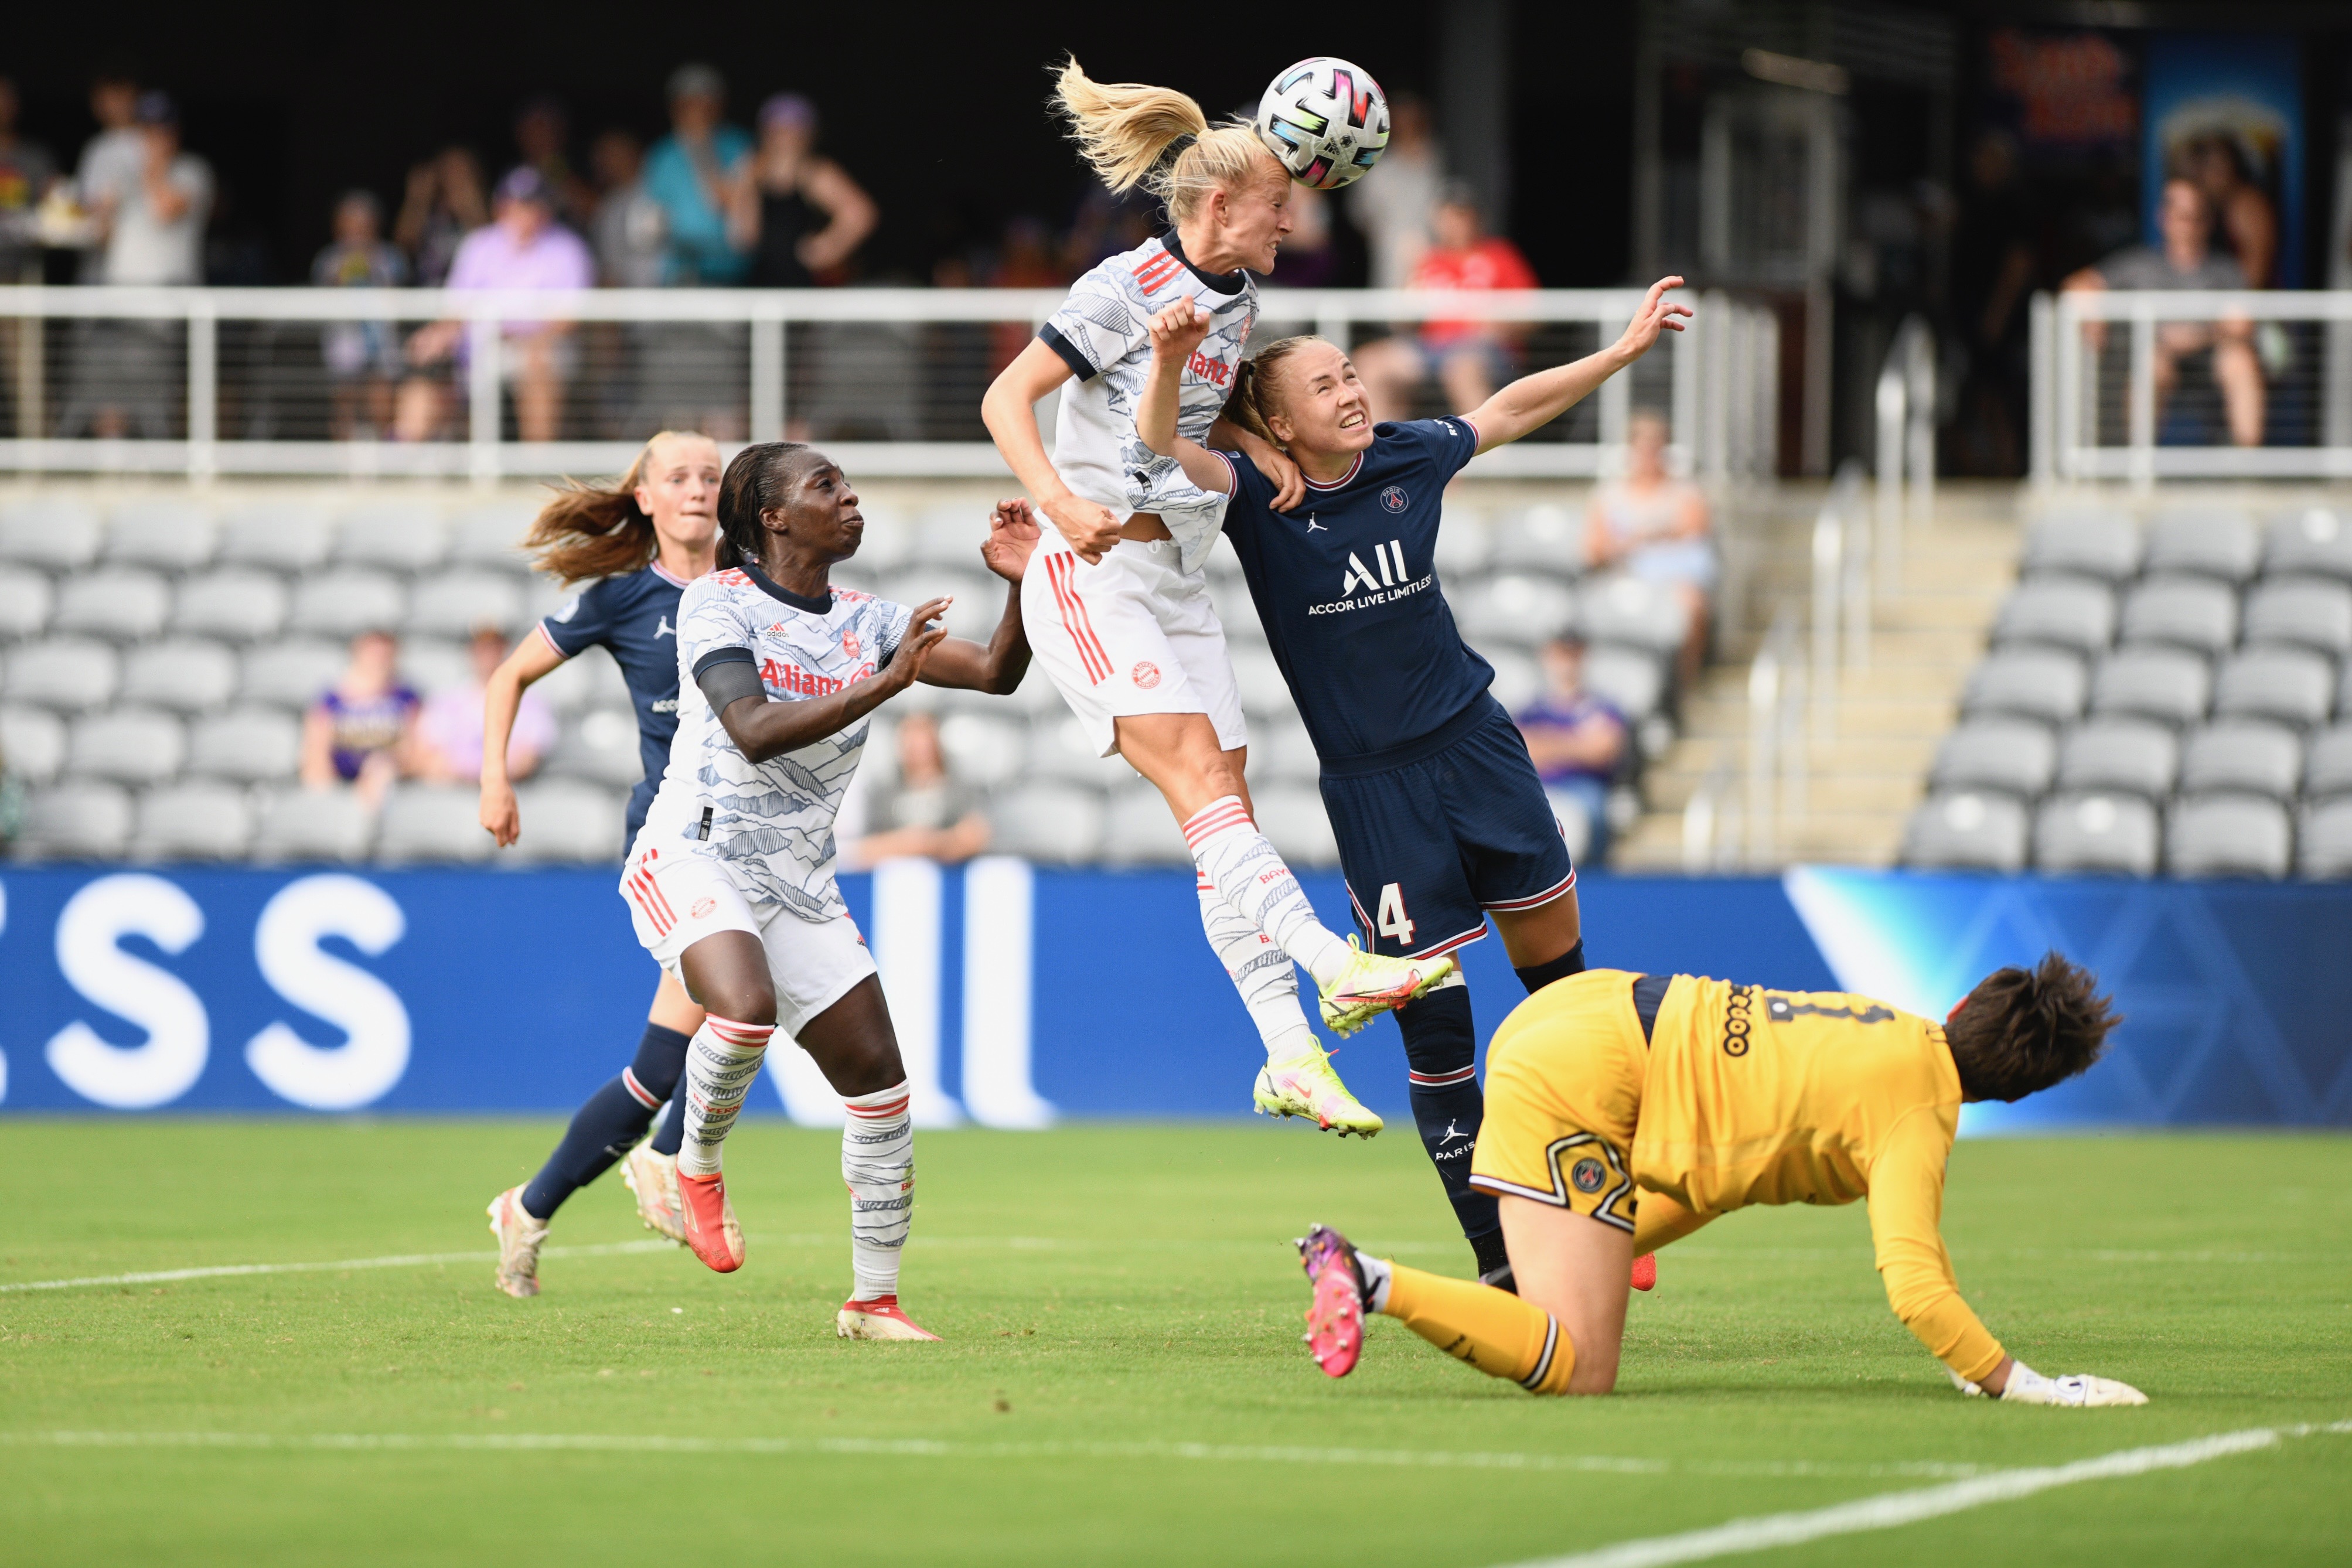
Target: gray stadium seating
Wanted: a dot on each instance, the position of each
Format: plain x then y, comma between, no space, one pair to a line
985,750
60,535
492,535
457,604
2032,683
1292,819
1057,823
1575,823
2302,612
1518,677
164,534
396,536
1542,538
1634,611
291,674
348,600
1634,682
979,597
590,679
79,819
1516,609
282,536
2013,756
1466,545
245,745
2310,539
1061,750
432,822
566,820
2073,613
1283,753
186,675
2133,755
122,603
2101,544
193,821
2170,685
2221,542
1138,830
2327,764
949,537
2229,836
72,675
126,745
2195,613
32,743
236,603
599,745
300,826
26,600
2242,757
1967,831
434,665
2326,840
2289,685
2099,832
1264,694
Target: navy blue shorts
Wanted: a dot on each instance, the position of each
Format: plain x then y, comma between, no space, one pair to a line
1431,845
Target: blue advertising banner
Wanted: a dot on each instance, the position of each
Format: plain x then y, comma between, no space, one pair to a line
2225,109
1023,995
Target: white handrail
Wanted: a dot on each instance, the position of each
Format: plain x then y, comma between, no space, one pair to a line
1907,441
1842,592
1776,757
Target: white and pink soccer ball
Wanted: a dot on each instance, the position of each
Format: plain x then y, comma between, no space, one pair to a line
1326,119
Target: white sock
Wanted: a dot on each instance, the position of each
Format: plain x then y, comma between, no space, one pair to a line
1235,856
721,1061
1261,971
1377,1278
878,1162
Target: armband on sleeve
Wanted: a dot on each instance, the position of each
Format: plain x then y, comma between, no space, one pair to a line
727,675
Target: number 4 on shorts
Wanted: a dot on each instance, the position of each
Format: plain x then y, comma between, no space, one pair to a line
1391,920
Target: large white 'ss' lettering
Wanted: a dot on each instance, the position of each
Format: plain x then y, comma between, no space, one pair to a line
179,1036
286,946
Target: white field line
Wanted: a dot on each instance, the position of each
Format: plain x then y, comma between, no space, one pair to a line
409,1260
1895,1509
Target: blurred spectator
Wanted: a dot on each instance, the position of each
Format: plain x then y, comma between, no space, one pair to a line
1992,272
1026,261
925,813
1656,527
542,131
524,248
449,729
2187,261
1308,259
1576,740
1396,211
363,357
26,171
2216,164
1108,224
799,214
362,730
112,160
1469,359
444,205
694,172
627,227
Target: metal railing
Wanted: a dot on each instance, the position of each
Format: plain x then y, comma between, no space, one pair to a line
210,382
1906,443
1777,760
2125,385
1842,602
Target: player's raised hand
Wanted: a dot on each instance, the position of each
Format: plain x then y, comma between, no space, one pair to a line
1177,330
1089,526
1289,484
924,633
1012,536
1657,314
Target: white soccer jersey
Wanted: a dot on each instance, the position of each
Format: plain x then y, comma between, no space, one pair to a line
768,823
1100,331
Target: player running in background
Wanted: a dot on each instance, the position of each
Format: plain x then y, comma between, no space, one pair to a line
1440,817
637,544
730,884
1119,611
1624,1112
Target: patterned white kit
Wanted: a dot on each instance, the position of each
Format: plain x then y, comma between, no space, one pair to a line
1130,635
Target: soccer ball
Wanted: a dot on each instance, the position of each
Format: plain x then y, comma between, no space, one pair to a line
1325,121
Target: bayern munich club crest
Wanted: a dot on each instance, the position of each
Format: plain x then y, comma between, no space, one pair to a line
1145,674
849,641
1393,498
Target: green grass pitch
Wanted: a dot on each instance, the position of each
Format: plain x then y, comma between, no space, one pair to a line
1122,1380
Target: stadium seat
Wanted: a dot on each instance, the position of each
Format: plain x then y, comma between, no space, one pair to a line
300,826
492,535
1058,824
2033,683
2104,545
1515,609
434,665
1633,681
2240,756
186,675
1544,538
193,821
2219,542
1518,677
2302,612
245,745
1223,568
2097,831
80,819
1283,753
26,600
2290,685
2311,540
126,745
1575,824
890,541
2344,692
120,604
32,743
57,535
2194,612
290,674
237,603
2072,613
2328,764
983,750
2128,754
1634,611
1061,750
432,822
1264,694
567,820
949,537
72,675
2326,840
282,536
2229,836
587,680
2013,756
601,746
1466,545
347,601
162,533
2171,685
1967,831
1139,829
396,536
979,599
458,603
1292,819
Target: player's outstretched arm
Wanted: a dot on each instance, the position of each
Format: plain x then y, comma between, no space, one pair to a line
532,658
762,728
1534,401
996,666
1010,412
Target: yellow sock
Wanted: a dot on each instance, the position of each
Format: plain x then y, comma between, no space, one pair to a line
1491,1329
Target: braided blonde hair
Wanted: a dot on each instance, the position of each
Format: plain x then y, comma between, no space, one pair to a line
1125,130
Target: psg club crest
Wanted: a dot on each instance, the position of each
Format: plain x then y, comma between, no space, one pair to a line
1393,498
849,641
1588,1175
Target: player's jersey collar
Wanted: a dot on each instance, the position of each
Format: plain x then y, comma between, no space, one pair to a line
774,590
663,572
1232,282
1344,481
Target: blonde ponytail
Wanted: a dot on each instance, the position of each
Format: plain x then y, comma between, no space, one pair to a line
1124,130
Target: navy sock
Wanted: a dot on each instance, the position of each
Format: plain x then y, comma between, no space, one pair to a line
1441,1047
1536,976
616,1116
671,1134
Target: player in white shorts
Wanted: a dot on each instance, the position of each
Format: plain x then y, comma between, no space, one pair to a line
731,882
1119,610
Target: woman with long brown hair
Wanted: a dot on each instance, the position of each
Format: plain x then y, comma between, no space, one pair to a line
636,544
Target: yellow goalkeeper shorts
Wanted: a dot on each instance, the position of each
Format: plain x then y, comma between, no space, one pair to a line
1563,1093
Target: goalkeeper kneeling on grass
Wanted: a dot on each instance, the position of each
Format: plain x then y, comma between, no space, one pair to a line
1624,1112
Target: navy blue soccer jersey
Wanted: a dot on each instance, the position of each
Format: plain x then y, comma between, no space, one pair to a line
634,617
1346,589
